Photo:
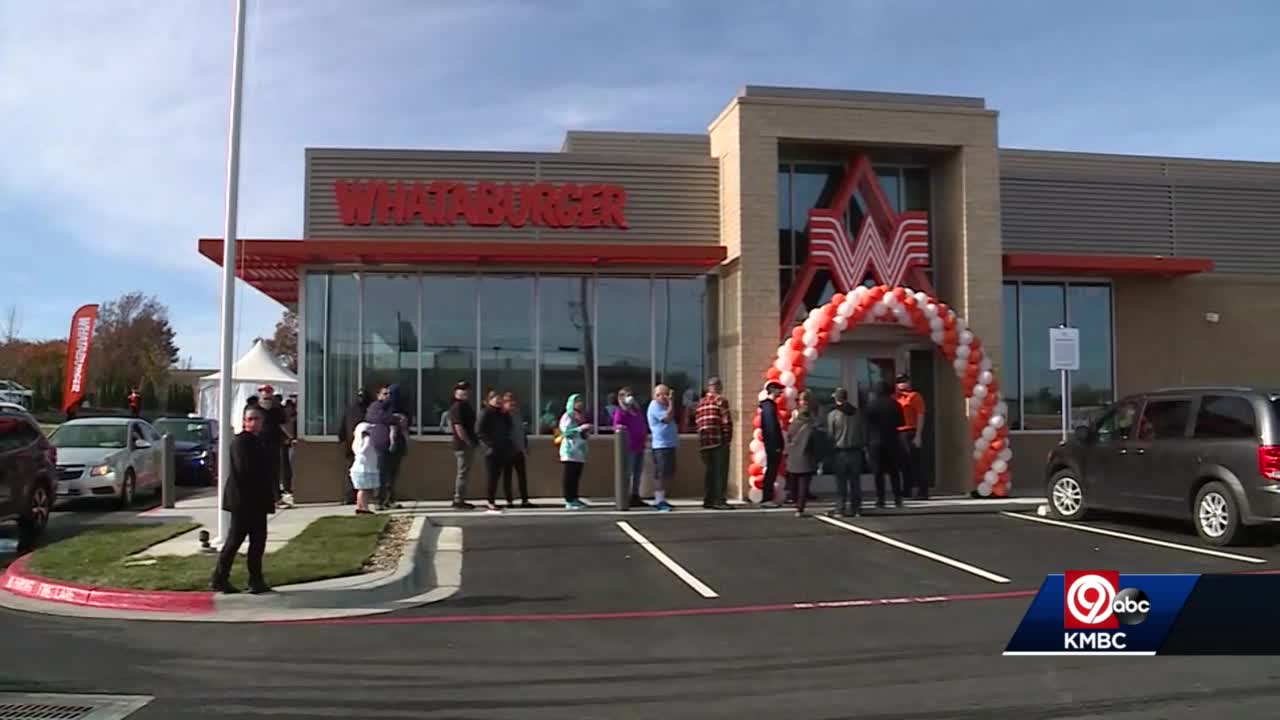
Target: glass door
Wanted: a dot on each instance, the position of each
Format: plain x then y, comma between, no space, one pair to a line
865,371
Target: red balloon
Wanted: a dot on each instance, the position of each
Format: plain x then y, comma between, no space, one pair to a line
824,337
755,469
943,310
774,373
1000,490
829,310
795,343
757,481
949,340
838,299
900,293
975,348
825,323
800,374
755,422
949,323
794,358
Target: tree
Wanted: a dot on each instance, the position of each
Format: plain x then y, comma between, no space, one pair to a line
12,327
38,366
133,346
283,343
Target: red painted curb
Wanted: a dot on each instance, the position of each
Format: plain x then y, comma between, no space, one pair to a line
18,581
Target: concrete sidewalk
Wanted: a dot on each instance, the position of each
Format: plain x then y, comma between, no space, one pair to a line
282,526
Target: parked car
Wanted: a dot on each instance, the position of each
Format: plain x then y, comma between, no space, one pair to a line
107,457
1211,454
12,392
195,447
27,473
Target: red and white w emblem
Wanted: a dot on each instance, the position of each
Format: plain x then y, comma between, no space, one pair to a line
888,244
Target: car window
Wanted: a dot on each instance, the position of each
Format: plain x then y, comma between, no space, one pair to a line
1226,417
90,436
1117,425
1164,419
16,433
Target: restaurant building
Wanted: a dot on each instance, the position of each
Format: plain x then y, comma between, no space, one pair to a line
628,259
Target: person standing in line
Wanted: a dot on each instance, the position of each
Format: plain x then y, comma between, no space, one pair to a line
291,429
848,433
249,496
353,416
574,431
382,419
274,437
398,446
493,429
462,425
774,442
802,455
519,452
365,476
714,423
666,438
911,438
629,418
884,417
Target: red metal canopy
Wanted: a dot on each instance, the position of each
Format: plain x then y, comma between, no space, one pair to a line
1110,265
272,265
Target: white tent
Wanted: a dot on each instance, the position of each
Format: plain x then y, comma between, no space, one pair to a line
258,367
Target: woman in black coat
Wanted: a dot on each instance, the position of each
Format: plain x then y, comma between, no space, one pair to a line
884,417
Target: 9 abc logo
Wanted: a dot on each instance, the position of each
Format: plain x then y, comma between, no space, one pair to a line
1094,601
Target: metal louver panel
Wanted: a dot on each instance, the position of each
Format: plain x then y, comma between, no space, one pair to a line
1076,216
1238,227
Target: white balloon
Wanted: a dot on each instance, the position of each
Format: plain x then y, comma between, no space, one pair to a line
845,309
996,421
977,454
1006,455
810,339
906,321
960,366
930,310
936,324
984,489
835,334
754,494
763,394
985,377
791,392
962,352
982,443
966,337
999,466
979,391
808,364
760,458
787,379
879,310
841,322
937,336
989,433
860,292
889,299
782,365
986,364
783,351
810,325
810,353
921,298
991,477
1001,408
756,446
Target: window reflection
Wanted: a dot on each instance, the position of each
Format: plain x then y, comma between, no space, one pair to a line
1042,309
566,312
1089,309
679,317
390,343
1009,373
915,189
448,344
316,294
786,253
623,342
506,339
343,356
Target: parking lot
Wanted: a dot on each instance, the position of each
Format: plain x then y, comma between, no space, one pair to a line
750,561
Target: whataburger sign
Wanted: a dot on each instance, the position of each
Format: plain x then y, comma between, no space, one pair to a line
481,204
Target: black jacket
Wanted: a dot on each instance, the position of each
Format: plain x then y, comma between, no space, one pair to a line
770,427
249,489
494,430
846,427
884,417
353,417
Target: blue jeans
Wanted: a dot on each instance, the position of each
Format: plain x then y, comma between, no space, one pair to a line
633,468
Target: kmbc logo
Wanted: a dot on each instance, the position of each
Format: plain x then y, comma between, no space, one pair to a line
1094,601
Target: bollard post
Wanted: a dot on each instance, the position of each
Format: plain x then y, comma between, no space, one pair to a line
168,471
621,489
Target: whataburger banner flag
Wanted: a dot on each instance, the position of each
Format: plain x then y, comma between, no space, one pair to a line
78,345
1101,612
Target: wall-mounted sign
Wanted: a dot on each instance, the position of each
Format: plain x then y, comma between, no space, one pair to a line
481,204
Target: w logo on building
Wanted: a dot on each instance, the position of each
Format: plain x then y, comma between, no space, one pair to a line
889,245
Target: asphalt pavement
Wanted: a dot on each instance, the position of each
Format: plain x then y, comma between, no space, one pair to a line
902,617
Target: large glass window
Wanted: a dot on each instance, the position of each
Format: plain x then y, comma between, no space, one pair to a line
786,250
342,358
448,344
623,342
390,343
316,300
679,318
507,339
1032,390
566,317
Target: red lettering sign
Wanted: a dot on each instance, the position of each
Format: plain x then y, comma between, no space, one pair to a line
481,204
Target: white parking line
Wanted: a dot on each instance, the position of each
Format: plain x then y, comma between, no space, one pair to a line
693,582
1137,538
917,550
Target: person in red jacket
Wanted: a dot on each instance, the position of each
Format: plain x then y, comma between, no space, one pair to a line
135,402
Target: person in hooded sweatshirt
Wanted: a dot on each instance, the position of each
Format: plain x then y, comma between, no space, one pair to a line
774,442
802,458
398,445
574,431
884,417
494,431
848,432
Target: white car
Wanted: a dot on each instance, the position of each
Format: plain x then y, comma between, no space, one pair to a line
12,392
115,458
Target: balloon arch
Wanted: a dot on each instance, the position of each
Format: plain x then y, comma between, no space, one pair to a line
988,414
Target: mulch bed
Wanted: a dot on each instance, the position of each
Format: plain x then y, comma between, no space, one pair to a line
391,544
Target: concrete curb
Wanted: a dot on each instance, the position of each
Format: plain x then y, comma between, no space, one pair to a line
437,558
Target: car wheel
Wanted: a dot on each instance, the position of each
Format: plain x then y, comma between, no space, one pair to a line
1066,496
35,519
128,489
1217,515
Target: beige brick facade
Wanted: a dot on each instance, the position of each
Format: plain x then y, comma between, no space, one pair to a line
966,232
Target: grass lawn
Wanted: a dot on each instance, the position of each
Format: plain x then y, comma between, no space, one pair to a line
329,547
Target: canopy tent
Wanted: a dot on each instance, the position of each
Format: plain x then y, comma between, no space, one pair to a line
258,367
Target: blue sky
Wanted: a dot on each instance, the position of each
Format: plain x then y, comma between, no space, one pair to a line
113,136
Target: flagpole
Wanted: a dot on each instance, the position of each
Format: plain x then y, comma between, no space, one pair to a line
226,381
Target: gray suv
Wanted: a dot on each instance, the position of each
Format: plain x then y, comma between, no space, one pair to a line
1211,454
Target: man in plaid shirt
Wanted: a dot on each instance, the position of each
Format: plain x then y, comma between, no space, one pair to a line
715,433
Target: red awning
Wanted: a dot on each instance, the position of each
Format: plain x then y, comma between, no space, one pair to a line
272,265
1109,265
